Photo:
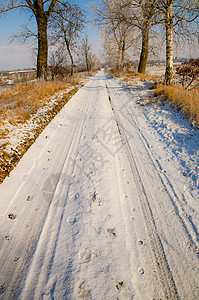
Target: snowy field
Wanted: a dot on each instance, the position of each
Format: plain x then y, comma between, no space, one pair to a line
159,70
156,70
104,205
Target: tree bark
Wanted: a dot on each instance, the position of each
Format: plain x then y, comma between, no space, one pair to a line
169,44
71,58
145,50
118,65
42,57
123,49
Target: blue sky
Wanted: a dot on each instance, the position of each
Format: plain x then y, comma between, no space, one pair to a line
14,56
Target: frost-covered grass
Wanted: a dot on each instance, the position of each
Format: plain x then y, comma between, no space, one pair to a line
186,100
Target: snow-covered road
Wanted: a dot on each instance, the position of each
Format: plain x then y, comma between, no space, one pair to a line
89,212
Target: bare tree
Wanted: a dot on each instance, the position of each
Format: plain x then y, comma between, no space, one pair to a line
109,50
41,9
146,11
116,31
126,17
141,15
58,63
179,17
67,24
86,54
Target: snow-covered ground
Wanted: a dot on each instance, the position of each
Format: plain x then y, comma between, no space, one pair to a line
156,70
104,205
159,69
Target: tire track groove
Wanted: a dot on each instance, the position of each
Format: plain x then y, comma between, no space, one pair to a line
161,267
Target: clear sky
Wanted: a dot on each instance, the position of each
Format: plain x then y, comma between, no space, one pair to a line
14,56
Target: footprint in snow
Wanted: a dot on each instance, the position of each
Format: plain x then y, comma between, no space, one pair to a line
120,285
16,258
132,218
77,196
29,198
124,290
12,216
85,255
140,243
95,199
141,271
112,232
84,290
7,237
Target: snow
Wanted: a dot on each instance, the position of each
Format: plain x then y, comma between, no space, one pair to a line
156,70
104,205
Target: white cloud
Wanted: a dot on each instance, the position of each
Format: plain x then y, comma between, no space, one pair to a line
15,57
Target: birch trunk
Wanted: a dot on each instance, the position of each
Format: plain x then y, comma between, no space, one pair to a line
169,44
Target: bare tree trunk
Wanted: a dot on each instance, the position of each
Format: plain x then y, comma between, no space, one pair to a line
123,50
145,50
169,44
42,56
72,62
118,59
71,58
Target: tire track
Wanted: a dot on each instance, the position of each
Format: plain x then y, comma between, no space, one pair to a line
175,231
17,270
186,223
163,273
44,248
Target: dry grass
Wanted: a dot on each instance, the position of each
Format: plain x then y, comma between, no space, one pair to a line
18,103
155,78
131,76
185,100
9,160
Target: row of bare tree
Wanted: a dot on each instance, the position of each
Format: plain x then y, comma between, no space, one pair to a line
60,25
125,22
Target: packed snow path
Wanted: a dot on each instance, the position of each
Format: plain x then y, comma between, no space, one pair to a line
88,213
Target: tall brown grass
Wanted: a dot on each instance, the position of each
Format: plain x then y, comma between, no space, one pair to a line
19,110
18,103
149,77
131,76
185,100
